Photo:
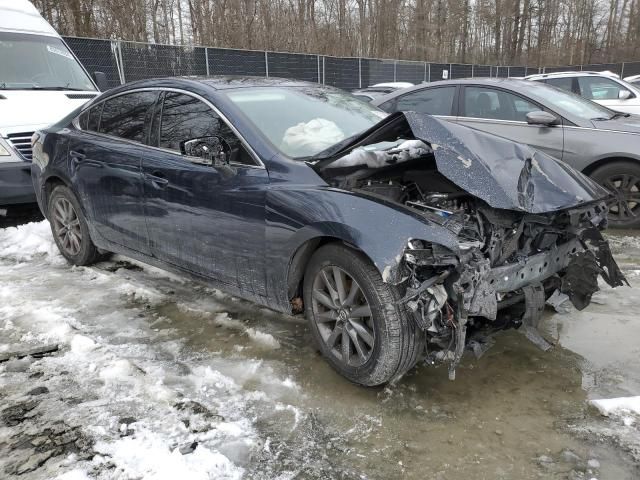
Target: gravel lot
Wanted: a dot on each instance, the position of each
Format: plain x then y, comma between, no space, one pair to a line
156,377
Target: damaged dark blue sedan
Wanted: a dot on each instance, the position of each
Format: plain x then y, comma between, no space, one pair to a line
398,236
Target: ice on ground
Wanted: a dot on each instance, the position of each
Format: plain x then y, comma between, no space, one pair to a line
148,456
82,344
123,383
27,241
261,338
621,405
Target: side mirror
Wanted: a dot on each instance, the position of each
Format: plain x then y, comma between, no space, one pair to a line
624,94
540,117
212,151
101,80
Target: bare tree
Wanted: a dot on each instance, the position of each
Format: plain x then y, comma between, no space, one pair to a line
512,32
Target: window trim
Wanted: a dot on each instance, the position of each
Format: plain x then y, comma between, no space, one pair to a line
75,122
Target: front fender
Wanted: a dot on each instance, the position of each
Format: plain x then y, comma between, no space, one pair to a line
379,229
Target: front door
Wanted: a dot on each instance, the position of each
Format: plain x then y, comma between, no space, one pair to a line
205,206
503,113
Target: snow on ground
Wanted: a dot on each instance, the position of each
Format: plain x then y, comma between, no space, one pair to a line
147,406
161,378
617,406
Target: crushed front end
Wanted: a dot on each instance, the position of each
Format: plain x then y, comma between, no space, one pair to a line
527,226
507,266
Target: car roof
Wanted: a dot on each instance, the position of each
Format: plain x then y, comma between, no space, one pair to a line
510,83
605,73
218,82
537,91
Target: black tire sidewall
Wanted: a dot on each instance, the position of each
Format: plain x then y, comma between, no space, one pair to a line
603,173
88,251
386,357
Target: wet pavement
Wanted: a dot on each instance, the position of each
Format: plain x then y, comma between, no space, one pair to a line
151,365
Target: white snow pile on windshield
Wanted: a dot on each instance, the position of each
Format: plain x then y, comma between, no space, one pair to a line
384,153
308,138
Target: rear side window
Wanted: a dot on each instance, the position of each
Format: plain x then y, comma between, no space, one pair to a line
565,83
434,101
125,116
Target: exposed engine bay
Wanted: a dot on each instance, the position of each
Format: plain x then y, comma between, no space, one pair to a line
509,260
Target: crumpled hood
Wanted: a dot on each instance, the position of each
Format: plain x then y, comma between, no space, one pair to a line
503,173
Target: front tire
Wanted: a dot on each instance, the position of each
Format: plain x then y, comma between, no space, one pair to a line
69,227
354,318
623,179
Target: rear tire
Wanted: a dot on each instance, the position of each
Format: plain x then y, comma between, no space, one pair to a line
346,302
623,179
69,227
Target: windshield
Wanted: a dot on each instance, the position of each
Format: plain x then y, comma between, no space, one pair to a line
39,62
304,121
576,105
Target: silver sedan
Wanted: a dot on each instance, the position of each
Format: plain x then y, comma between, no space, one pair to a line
595,140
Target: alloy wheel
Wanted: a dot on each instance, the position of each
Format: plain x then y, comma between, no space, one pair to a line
343,316
66,225
626,205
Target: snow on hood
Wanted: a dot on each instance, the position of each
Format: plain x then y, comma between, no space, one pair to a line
505,174
384,153
30,110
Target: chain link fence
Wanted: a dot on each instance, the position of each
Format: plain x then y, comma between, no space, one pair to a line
124,61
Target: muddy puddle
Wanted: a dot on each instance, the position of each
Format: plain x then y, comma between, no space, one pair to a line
505,416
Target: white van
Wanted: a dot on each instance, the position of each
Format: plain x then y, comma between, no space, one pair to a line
41,81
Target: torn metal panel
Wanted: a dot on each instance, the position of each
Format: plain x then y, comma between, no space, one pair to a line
505,174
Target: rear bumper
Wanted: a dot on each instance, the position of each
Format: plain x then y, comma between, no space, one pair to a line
15,183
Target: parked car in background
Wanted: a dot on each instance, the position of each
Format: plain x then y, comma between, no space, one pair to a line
593,139
41,81
604,88
633,80
380,89
393,233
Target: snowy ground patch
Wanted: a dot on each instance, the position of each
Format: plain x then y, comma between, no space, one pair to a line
124,397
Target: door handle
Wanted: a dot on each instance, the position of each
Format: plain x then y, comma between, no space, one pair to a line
77,155
157,179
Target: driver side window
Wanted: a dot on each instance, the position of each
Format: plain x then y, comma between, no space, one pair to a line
184,118
482,102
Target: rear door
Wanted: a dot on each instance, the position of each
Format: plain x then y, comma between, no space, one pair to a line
105,156
503,113
203,214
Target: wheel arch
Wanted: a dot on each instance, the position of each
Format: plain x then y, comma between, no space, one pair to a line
302,255
592,167
50,183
